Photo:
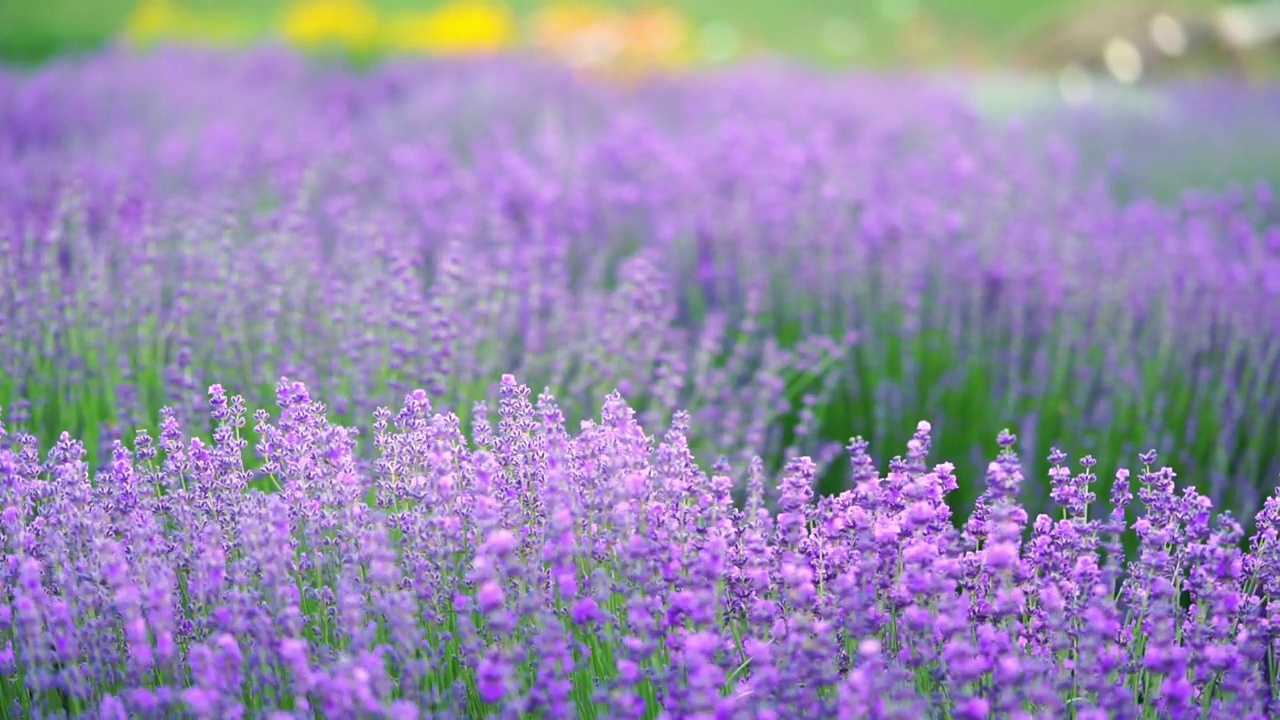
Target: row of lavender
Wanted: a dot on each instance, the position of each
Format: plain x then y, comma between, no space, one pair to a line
530,571
789,257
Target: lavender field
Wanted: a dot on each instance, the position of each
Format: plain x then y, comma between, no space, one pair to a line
482,389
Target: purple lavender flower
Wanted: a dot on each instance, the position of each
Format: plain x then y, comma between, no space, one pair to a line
743,267
633,583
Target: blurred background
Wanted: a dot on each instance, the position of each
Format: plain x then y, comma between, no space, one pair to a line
1126,41
1142,72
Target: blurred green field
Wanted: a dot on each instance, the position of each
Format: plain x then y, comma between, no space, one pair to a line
872,31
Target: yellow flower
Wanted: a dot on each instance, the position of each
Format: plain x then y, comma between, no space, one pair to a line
464,26
154,20
312,23
151,20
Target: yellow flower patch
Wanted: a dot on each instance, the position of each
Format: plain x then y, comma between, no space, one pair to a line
455,28
346,23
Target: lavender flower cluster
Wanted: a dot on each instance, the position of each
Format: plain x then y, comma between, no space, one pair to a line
531,571
789,257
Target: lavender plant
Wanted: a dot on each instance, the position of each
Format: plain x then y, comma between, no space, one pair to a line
527,569
787,256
